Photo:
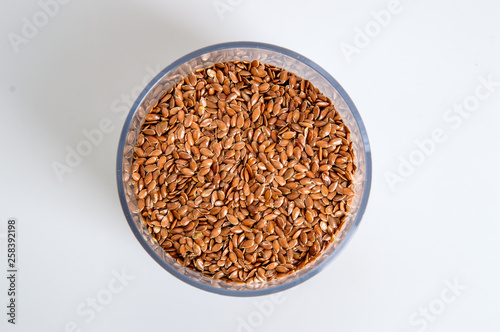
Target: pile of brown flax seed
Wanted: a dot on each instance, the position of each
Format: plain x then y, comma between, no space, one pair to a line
244,172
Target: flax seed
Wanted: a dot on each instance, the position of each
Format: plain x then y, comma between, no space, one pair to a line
243,172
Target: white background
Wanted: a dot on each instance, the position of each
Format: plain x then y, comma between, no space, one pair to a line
440,222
